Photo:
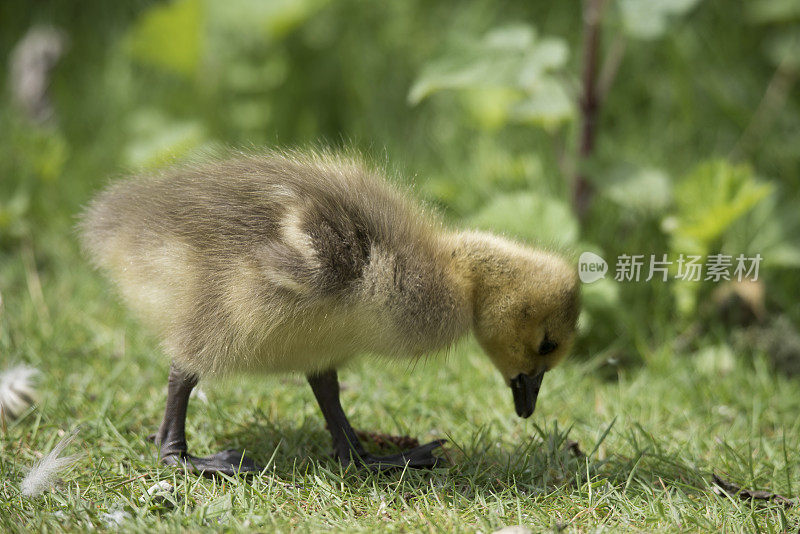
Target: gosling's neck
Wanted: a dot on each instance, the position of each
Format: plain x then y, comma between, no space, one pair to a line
473,257
478,257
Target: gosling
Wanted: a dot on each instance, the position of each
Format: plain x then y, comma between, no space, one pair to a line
297,262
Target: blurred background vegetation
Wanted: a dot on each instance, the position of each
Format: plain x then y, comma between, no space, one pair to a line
618,126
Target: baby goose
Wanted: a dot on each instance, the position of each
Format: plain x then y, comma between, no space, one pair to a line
297,262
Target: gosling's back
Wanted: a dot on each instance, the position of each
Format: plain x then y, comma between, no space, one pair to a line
276,262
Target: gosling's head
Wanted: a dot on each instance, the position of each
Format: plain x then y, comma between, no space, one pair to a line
526,309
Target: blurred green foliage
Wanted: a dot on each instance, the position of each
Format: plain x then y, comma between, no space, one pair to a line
474,102
708,201
508,75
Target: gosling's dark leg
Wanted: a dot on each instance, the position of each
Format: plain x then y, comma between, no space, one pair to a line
171,437
347,446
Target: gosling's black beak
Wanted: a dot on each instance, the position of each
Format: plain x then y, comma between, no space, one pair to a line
526,389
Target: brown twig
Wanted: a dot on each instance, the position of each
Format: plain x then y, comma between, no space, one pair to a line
730,488
384,441
589,104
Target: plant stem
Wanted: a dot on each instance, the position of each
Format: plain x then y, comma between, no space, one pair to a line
582,190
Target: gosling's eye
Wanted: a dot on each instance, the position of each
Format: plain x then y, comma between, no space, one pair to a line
547,347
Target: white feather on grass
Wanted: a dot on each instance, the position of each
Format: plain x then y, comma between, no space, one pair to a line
17,391
42,475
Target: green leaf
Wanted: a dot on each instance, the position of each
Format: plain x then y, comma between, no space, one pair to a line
519,37
509,57
709,200
169,36
648,19
548,105
549,55
490,106
645,190
531,217
468,69
508,76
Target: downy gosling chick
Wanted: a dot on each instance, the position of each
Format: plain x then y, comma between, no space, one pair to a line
297,262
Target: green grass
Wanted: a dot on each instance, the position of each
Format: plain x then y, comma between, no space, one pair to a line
652,438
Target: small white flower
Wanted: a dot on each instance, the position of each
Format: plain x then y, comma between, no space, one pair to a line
44,473
16,391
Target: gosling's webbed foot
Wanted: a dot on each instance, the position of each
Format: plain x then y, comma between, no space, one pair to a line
346,444
417,458
230,462
171,435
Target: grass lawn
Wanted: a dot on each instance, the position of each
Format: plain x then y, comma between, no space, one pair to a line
651,439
